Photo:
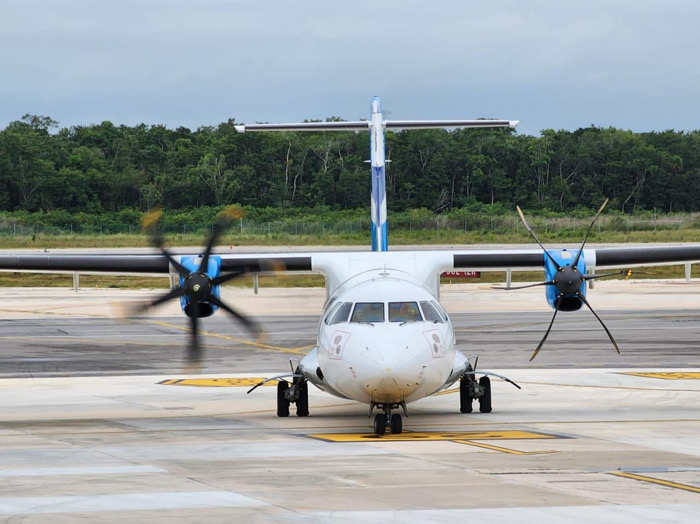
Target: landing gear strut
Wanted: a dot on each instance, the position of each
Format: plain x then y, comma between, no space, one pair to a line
297,392
385,420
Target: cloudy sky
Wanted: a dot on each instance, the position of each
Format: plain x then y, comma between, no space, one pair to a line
550,64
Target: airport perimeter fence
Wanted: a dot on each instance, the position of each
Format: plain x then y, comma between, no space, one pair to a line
476,223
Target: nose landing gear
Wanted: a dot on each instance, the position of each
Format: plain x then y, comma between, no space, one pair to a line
385,420
297,392
470,389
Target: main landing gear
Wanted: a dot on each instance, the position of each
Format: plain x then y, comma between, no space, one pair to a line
295,393
385,420
470,389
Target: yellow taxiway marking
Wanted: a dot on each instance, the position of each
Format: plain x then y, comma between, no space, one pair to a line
217,382
501,449
446,392
226,337
433,435
675,375
660,482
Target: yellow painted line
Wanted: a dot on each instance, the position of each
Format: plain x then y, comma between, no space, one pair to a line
660,482
226,337
446,392
674,375
425,436
217,382
500,449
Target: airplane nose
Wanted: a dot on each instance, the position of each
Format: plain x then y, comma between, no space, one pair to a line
399,373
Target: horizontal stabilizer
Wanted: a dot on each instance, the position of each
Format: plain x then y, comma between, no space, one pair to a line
448,124
360,125
364,125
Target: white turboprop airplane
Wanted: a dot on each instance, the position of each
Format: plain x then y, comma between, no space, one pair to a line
383,339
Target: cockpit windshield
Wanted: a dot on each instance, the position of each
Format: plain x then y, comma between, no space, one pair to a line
368,312
404,312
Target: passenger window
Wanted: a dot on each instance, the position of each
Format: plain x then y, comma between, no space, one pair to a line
404,312
430,313
342,314
368,312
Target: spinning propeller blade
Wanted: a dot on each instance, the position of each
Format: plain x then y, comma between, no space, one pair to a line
532,234
550,283
588,232
585,301
551,323
199,287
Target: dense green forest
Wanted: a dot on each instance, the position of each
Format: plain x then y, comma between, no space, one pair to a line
107,168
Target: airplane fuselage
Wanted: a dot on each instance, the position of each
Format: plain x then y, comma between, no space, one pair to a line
383,339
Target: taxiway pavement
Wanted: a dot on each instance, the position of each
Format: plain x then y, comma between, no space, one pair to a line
98,422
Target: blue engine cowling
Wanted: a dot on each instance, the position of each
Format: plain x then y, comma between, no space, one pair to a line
567,301
192,263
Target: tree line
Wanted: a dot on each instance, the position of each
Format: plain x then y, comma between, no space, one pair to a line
107,168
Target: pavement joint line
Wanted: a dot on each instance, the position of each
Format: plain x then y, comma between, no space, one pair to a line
112,342
55,313
660,482
592,386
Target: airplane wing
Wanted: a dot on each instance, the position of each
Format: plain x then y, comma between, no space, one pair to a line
493,259
148,264
602,257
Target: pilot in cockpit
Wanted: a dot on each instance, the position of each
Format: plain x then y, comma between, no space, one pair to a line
404,312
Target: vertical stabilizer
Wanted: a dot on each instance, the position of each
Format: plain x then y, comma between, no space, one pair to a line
380,240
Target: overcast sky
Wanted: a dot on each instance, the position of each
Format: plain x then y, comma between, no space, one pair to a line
551,64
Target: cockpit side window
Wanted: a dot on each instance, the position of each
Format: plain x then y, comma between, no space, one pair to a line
342,314
439,309
368,312
404,312
430,313
331,312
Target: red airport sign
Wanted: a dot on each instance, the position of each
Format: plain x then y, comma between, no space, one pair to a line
461,274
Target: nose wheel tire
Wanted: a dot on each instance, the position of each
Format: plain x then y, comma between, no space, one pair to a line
396,424
380,424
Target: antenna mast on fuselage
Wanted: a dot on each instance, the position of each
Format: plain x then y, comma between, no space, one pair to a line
377,127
